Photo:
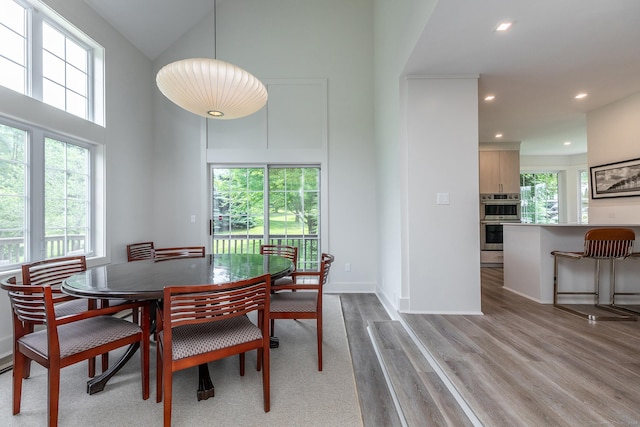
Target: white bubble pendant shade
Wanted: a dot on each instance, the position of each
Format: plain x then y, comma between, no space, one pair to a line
212,88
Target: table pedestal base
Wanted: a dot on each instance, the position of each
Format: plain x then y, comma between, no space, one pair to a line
205,385
96,384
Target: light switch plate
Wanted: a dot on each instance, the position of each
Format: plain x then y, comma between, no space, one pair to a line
442,198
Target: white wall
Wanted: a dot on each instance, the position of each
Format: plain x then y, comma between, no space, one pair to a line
613,135
290,40
409,272
442,160
126,139
128,92
398,26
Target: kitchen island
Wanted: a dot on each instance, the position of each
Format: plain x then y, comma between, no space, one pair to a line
528,263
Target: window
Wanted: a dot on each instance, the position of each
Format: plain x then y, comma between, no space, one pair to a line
44,57
66,198
539,195
64,72
583,215
13,195
58,223
13,49
279,205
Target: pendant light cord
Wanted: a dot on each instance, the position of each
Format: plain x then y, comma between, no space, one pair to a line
215,30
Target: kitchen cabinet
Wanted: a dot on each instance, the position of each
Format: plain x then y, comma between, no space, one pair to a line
491,258
500,171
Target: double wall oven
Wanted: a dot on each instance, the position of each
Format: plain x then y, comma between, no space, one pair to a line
495,210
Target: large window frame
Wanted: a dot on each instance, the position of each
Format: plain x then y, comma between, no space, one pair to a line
583,196
280,223
36,243
540,201
39,60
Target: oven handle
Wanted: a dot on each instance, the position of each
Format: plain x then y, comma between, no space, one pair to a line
500,202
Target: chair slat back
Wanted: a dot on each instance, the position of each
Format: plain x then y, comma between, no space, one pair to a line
52,271
325,266
209,303
179,252
139,251
285,251
28,302
606,243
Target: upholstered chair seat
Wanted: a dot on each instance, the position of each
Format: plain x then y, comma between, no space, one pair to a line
193,339
83,335
306,302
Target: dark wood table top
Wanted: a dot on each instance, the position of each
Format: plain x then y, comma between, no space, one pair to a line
146,279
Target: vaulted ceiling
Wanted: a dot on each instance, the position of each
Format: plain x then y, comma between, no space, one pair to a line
554,50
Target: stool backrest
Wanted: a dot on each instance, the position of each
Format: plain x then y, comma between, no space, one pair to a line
609,242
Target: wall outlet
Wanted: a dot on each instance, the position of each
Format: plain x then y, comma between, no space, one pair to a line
347,267
193,218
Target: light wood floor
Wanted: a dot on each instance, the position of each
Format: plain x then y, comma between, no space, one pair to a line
521,364
376,402
529,364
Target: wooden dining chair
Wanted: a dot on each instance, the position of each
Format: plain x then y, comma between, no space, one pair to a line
179,252
198,324
52,272
139,251
305,304
67,339
285,251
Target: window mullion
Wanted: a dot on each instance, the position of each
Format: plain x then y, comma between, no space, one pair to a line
265,210
37,241
35,54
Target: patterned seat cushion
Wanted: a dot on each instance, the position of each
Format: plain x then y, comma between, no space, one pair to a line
71,307
83,335
282,302
281,281
190,340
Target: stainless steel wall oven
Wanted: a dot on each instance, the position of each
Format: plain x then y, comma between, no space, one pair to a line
496,209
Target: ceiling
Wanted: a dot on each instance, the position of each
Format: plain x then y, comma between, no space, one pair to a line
553,51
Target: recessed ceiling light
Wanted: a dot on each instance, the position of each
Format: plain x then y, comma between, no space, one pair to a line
504,26
581,95
489,97
566,143
498,135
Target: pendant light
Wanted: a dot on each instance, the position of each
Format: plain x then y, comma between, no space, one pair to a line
212,88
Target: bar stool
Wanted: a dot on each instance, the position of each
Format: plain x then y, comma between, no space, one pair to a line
632,309
599,244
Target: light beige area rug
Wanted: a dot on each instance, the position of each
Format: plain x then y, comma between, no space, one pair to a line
300,394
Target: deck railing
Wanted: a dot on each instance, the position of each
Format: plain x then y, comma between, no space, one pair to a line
12,249
308,255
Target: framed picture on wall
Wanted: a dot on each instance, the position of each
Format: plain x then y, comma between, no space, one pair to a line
621,179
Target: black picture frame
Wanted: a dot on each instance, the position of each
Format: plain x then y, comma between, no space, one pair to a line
619,179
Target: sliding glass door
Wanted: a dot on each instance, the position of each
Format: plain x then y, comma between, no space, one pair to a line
267,204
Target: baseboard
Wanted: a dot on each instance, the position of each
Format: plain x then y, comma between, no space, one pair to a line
526,296
349,288
388,306
6,364
445,313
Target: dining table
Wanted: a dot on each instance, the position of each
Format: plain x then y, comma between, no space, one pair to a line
146,279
